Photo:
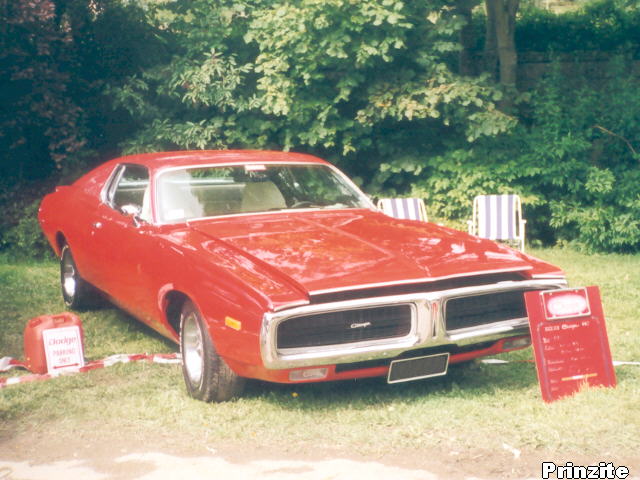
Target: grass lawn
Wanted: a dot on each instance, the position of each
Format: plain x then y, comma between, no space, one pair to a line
476,406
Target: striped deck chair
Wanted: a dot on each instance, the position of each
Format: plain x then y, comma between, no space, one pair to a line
405,208
498,217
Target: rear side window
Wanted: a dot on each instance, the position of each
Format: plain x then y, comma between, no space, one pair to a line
130,186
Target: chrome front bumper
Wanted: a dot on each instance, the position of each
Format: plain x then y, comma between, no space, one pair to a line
427,327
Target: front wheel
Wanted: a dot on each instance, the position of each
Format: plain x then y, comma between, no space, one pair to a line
206,375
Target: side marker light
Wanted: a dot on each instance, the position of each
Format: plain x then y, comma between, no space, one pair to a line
233,323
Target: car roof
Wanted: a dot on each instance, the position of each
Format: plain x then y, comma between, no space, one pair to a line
160,160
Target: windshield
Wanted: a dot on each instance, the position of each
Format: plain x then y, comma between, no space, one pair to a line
226,190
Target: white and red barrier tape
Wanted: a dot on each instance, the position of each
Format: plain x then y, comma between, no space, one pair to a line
8,363
497,361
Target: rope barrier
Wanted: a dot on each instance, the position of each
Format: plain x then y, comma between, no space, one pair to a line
8,363
497,361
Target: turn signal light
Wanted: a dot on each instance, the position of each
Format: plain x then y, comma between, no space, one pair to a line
515,343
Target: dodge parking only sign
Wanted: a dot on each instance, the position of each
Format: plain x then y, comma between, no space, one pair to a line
63,348
570,341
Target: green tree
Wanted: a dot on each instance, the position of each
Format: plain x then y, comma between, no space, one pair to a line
367,81
500,51
56,56
40,120
201,94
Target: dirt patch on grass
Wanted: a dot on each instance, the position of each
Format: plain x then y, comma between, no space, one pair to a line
98,451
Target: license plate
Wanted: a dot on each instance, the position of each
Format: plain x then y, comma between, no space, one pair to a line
418,368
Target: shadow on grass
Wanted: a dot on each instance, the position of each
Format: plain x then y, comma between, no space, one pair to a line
462,381
109,330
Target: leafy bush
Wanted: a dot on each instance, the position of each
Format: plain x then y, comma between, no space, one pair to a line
585,138
573,158
26,240
600,25
603,25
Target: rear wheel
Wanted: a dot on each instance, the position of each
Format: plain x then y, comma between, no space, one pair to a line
76,292
206,374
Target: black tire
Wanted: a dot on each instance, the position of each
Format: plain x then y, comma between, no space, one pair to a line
76,292
206,375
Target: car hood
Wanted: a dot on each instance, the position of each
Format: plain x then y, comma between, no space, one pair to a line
335,250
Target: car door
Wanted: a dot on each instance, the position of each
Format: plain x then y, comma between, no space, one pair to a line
124,242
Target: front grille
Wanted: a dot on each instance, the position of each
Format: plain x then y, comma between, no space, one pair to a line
345,326
473,311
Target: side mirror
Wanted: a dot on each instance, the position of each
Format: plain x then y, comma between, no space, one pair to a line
133,211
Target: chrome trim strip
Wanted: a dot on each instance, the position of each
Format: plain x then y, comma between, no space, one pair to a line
427,329
364,286
114,178
237,163
462,334
291,305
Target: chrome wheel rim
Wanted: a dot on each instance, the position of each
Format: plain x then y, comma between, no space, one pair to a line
69,282
192,349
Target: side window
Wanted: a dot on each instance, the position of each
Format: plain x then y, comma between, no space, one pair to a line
131,188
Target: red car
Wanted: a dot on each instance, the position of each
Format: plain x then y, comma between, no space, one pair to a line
275,266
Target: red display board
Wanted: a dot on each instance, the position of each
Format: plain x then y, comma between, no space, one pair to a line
570,341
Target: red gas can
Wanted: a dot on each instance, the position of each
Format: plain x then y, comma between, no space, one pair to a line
53,342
